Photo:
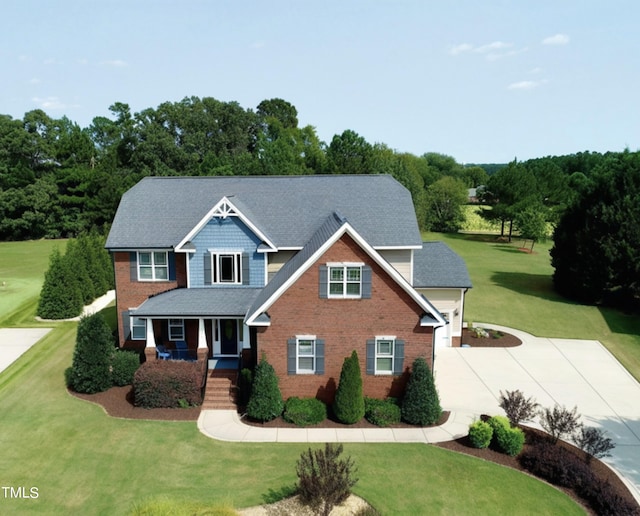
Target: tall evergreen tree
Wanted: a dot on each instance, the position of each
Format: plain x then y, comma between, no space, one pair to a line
265,402
90,370
421,404
596,252
348,405
60,297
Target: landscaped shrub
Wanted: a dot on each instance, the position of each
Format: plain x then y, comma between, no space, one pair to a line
563,468
325,480
163,383
506,439
91,366
556,465
124,364
244,386
382,412
61,295
517,407
421,404
304,411
559,421
348,405
265,402
480,434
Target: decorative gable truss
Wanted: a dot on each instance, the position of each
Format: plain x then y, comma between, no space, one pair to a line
223,209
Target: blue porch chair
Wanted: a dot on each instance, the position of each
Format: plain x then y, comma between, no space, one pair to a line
162,352
182,351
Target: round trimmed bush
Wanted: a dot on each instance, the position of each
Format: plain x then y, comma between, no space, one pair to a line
480,434
381,412
124,364
304,411
507,439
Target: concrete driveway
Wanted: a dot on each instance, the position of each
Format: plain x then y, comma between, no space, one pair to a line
568,372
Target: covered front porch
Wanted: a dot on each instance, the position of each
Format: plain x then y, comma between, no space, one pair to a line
197,324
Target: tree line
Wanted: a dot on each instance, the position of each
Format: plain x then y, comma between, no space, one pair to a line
58,179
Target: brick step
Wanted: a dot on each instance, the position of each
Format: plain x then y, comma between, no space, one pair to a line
221,391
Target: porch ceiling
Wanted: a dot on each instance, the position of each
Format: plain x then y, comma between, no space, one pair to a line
199,302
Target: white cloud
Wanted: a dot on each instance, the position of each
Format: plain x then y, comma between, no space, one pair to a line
558,39
535,71
526,85
258,44
51,103
491,47
491,51
118,63
459,49
34,80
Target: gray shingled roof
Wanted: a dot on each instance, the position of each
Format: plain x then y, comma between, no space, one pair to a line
159,212
331,225
198,302
436,265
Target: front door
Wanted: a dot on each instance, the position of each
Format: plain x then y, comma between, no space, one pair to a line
229,337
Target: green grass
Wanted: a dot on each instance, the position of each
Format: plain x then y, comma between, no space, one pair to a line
85,462
22,268
513,288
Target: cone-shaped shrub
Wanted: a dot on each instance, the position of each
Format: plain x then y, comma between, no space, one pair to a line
60,297
266,401
348,405
421,404
91,367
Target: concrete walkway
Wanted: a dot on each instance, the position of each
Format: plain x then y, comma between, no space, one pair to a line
568,372
14,342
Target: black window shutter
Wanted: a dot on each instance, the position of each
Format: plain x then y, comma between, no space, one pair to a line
398,357
324,282
133,265
319,356
291,356
366,282
371,356
126,326
207,269
172,266
245,268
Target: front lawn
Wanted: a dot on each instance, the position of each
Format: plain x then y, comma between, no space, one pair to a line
84,462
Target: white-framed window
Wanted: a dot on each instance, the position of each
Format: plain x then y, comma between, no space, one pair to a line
226,267
385,351
176,329
345,280
306,354
138,328
153,266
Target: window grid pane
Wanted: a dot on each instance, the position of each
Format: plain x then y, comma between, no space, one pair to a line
306,355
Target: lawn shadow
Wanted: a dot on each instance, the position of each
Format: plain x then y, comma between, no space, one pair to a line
620,322
538,285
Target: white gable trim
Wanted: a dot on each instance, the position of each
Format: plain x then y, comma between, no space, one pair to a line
223,209
346,228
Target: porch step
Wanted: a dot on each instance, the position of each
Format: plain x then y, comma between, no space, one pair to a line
221,392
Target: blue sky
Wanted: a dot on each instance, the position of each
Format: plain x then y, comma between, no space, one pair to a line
482,81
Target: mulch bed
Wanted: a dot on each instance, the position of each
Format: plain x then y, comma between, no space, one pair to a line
118,402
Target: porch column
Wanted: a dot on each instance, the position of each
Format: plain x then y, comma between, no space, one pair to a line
150,348
203,350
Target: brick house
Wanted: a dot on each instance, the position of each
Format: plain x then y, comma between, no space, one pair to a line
299,269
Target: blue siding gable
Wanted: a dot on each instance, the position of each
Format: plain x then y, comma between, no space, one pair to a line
228,234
